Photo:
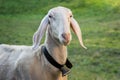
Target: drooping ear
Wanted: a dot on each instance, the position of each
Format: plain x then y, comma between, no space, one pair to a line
40,32
76,29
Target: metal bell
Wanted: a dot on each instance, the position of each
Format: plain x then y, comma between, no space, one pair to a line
65,70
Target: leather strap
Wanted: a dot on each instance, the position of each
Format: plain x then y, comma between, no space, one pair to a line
51,60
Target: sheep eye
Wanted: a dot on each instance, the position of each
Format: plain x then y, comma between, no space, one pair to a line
50,16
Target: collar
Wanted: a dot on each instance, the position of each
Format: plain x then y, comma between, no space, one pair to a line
65,68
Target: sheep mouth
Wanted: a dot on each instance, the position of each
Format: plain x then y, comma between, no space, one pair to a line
66,42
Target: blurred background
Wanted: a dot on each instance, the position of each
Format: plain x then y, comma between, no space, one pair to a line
100,25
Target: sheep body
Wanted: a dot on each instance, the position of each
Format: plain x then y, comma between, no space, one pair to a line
24,63
11,57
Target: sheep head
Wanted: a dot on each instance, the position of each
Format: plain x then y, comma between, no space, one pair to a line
59,20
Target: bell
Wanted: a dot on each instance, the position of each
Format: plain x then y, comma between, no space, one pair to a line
65,70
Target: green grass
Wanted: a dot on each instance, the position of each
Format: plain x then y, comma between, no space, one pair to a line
100,25
101,61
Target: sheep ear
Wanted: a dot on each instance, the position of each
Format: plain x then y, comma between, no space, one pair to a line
76,29
40,32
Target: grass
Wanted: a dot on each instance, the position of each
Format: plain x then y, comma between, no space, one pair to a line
100,25
18,29
101,60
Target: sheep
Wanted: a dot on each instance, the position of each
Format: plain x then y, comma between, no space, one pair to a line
29,62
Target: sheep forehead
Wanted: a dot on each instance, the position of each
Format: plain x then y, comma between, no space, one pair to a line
58,11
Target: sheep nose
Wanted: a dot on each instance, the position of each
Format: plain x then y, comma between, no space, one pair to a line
66,37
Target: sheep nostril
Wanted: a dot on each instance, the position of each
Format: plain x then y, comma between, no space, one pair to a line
66,36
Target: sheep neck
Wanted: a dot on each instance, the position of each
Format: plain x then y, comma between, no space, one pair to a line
55,49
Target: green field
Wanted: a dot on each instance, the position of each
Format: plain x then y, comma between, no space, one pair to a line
100,25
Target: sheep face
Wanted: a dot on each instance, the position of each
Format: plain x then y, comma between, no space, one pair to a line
59,21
